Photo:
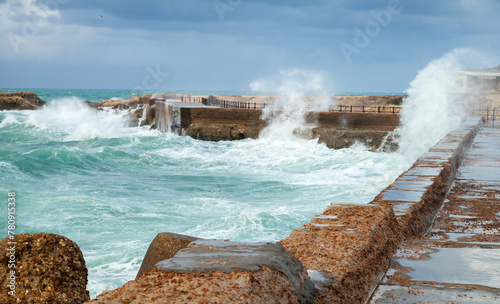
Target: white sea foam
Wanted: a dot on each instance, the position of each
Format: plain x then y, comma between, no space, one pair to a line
9,120
77,121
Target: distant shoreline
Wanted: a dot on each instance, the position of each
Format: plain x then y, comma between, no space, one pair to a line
195,92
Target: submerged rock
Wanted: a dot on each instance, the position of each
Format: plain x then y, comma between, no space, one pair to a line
49,268
20,101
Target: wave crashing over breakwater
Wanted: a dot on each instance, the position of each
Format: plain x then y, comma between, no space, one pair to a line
111,189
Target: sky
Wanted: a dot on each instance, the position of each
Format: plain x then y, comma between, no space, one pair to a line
357,46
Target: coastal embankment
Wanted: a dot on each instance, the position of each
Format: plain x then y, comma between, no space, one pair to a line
345,250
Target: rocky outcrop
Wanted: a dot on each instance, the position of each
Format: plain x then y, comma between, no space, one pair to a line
135,106
49,268
126,103
149,119
217,271
164,246
20,101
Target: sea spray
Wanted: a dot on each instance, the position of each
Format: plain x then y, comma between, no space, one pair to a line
433,107
298,91
76,121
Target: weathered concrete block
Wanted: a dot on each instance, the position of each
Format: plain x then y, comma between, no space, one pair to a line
49,268
340,139
418,193
164,246
348,247
216,271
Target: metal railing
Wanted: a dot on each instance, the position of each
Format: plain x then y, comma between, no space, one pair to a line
229,104
488,114
367,109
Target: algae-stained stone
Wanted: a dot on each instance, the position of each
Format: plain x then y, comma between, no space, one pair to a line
49,268
164,246
216,271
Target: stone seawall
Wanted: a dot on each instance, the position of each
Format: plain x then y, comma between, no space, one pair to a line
344,251
336,130
356,244
418,193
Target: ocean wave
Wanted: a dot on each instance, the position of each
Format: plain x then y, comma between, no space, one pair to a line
8,121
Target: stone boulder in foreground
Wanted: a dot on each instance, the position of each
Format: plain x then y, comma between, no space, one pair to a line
217,271
49,268
20,101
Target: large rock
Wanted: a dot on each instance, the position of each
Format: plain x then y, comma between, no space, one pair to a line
150,115
149,118
217,271
20,101
164,246
49,268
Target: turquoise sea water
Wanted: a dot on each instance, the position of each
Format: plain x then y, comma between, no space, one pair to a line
111,189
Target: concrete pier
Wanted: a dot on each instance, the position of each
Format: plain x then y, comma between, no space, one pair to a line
458,259
336,130
448,252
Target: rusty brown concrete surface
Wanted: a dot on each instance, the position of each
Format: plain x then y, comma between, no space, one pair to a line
164,246
350,246
458,259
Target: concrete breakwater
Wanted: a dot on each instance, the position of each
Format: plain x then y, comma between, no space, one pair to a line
344,251
336,258
458,259
336,130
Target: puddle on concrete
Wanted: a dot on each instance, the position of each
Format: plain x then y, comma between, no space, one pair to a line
436,155
404,196
480,173
390,294
325,217
475,266
411,186
455,236
401,209
462,216
424,171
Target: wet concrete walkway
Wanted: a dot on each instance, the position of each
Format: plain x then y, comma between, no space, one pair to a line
458,260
